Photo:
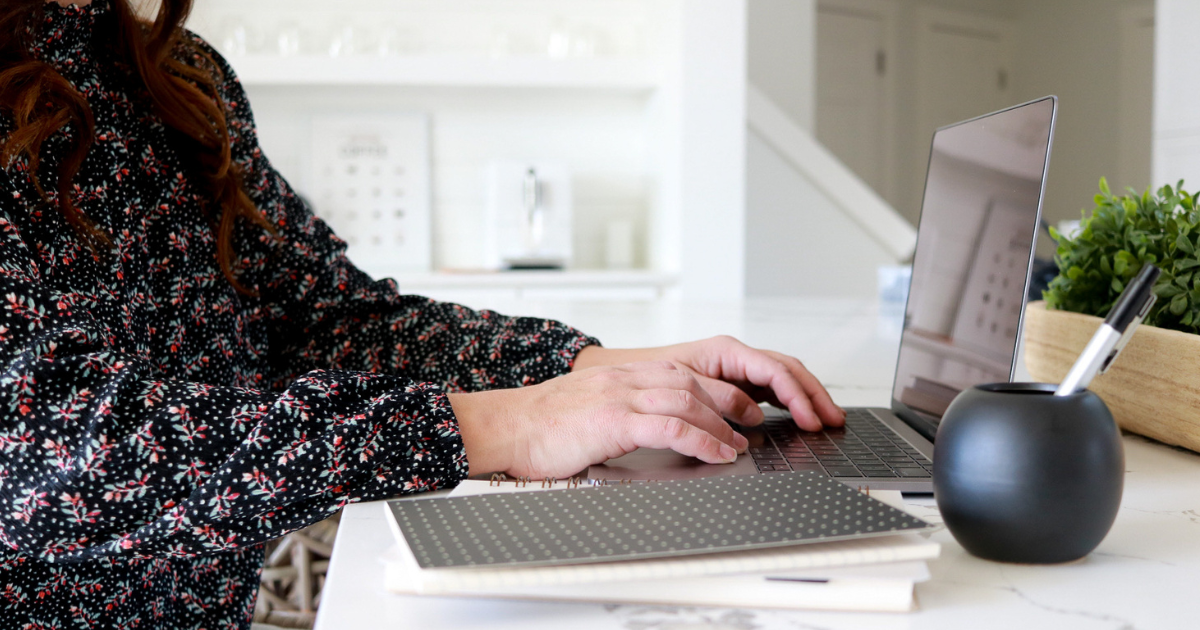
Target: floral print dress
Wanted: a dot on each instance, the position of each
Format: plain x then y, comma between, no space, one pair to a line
156,426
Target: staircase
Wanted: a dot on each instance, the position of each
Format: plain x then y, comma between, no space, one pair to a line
813,227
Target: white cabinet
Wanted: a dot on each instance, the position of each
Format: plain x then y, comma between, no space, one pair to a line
642,100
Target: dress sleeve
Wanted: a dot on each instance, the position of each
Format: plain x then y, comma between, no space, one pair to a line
102,456
326,313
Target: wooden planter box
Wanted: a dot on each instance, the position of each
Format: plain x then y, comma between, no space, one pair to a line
1153,388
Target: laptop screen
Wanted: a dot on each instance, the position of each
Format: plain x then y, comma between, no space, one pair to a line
975,241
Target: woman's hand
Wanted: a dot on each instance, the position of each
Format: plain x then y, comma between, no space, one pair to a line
559,427
738,377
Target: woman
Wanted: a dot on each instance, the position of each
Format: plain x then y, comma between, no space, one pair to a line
191,367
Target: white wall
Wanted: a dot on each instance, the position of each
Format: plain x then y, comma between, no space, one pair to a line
799,241
703,118
1176,150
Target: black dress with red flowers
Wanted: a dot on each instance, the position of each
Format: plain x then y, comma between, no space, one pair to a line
156,426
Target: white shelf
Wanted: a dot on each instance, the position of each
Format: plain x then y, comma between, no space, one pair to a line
541,279
652,124
506,290
618,74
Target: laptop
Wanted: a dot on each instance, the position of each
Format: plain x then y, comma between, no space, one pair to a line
965,310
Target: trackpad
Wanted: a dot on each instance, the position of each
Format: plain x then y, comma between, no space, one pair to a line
665,465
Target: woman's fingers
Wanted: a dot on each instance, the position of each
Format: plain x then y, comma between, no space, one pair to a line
654,431
660,388
760,369
822,403
684,405
761,375
646,376
735,404
784,378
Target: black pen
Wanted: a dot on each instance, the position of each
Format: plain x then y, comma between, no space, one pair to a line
1133,304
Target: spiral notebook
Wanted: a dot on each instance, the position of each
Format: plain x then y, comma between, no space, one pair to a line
876,587
655,530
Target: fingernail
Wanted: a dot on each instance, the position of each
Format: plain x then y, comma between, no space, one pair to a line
727,453
741,441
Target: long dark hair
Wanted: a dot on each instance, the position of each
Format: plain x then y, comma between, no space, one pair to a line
41,102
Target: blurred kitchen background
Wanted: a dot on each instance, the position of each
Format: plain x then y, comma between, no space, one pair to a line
695,149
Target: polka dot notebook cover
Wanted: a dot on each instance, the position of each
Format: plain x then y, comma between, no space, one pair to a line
641,521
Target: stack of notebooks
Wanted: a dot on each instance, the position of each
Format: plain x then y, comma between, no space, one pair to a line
791,540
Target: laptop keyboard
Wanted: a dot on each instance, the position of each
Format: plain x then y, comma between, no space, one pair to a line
865,448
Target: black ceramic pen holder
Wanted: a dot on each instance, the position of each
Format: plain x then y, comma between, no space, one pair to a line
1022,475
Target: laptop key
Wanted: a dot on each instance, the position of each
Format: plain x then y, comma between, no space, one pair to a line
912,472
880,473
844,472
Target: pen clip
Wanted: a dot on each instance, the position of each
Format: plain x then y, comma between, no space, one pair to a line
1128,334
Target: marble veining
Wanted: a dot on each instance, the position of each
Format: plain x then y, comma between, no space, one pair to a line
683,618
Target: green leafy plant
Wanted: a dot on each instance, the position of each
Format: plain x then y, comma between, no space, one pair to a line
1122,234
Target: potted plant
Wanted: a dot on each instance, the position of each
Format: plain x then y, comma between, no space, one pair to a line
1154,389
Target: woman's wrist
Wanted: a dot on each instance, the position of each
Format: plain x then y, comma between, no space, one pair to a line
483,423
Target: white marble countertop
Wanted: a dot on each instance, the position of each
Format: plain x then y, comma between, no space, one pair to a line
1143,576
